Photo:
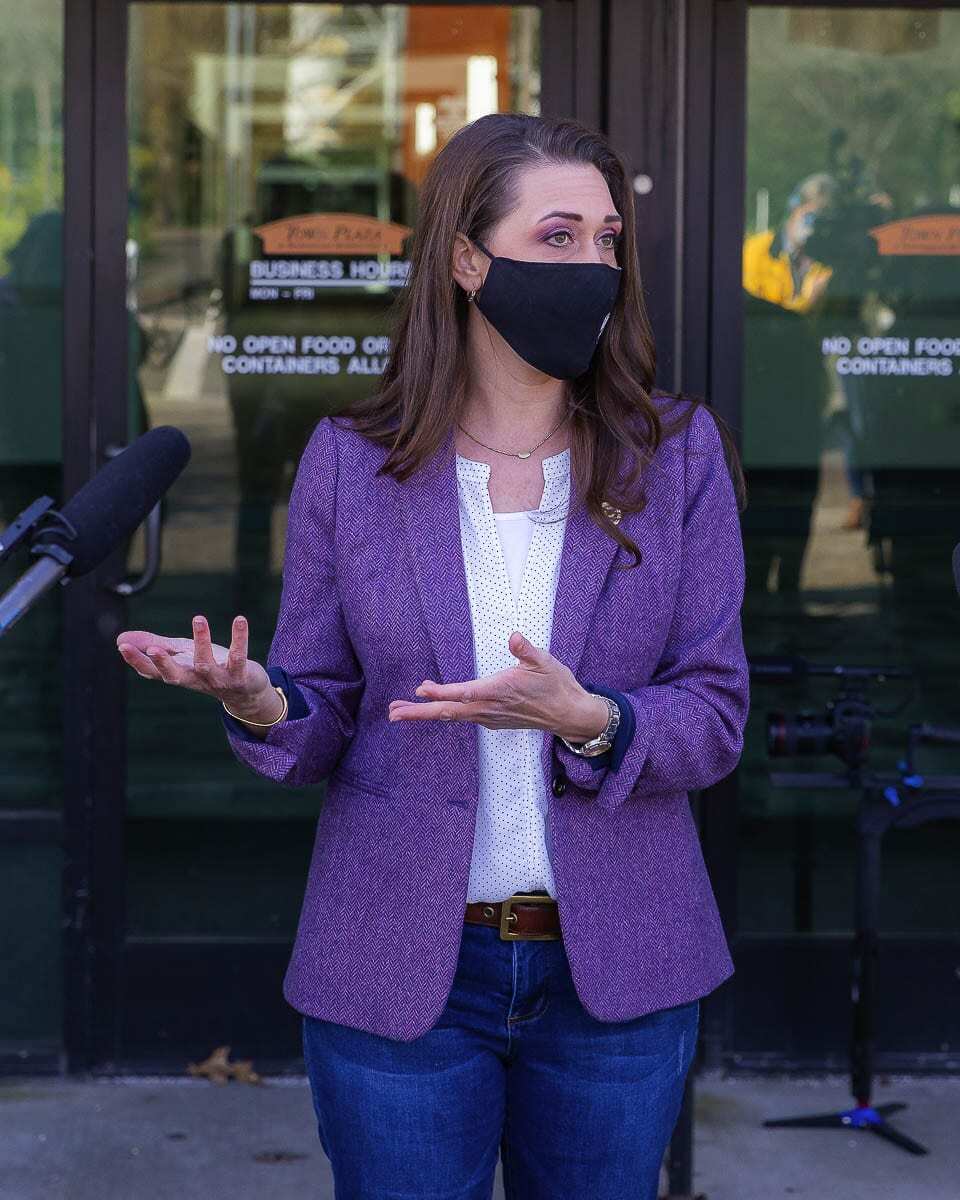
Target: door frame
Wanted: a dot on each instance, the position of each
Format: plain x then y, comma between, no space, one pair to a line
691,55
97,954
95,683
667,130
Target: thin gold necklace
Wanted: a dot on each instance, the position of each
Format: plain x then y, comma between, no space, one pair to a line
514,453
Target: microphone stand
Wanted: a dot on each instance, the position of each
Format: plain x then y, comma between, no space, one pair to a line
52,560
888,801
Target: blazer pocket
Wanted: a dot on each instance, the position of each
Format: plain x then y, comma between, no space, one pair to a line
358,783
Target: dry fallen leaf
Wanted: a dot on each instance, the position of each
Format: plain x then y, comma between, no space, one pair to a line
243,1072
218,1068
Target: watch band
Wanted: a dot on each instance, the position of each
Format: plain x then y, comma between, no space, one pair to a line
604,740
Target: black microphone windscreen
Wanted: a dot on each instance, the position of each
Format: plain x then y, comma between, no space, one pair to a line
110,506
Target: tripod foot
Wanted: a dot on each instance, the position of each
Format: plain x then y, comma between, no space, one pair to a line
864,1116
899,1139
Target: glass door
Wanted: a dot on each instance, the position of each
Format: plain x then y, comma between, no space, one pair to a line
273,158
848,405
31,466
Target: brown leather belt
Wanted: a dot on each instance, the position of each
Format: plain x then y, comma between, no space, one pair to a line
529,915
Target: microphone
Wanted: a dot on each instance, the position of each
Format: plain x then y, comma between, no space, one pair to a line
102,514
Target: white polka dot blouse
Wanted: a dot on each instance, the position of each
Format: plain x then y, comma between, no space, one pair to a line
512,564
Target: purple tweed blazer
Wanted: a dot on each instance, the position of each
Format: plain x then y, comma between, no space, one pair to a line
375,600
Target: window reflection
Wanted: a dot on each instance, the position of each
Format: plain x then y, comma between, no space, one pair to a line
851,426
31,674
31,333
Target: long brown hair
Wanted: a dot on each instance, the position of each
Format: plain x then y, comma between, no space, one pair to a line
470,187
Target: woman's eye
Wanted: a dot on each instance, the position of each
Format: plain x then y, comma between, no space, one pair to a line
612,239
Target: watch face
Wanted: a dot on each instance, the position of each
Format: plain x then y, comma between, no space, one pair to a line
601,748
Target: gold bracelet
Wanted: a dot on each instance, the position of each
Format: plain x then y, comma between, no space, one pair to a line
262,724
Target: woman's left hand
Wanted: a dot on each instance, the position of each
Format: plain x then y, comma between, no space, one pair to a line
539,693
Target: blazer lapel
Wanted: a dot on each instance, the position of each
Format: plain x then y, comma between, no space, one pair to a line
585,561
431,510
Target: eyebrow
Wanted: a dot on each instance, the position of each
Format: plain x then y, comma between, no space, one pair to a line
571,216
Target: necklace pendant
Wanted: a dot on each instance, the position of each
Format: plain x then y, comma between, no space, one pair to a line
527,455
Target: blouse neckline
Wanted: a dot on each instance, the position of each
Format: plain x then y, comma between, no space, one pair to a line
555,468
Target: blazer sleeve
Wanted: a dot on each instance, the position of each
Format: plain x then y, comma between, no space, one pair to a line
311,655
690,718
296,705
625,730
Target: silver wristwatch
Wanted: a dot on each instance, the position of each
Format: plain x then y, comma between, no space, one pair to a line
604,740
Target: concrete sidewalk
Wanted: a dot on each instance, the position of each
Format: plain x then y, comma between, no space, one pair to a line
187,1139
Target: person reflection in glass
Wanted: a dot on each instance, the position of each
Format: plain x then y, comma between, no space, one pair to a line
784,385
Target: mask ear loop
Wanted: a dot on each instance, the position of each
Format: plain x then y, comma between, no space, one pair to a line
472,294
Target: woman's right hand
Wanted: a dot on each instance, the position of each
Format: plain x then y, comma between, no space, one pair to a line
200,665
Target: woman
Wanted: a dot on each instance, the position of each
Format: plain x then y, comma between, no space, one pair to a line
507,924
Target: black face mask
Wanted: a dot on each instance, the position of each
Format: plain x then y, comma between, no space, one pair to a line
551,314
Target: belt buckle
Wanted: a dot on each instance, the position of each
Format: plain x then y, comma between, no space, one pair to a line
507,915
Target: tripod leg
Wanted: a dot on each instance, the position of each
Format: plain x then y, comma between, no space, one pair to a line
818,1121
882,1129
865,950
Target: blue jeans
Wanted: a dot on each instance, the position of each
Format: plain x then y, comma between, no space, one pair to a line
515,1065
